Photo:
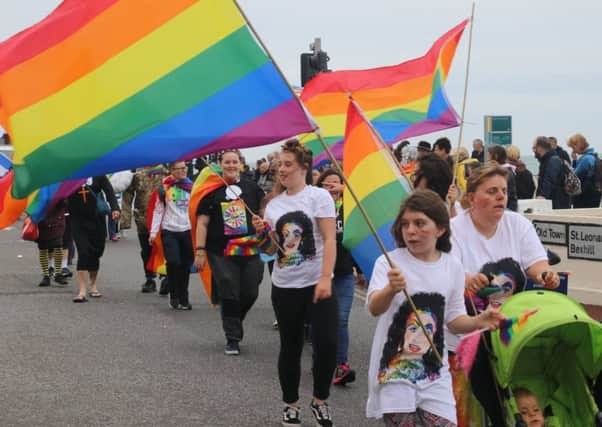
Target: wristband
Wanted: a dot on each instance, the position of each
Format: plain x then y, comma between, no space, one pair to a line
198,248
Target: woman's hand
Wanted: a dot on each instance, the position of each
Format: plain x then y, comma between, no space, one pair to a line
151,240
199,260
396,280
476,282
452,194
550,279
490,319
323,289
258,223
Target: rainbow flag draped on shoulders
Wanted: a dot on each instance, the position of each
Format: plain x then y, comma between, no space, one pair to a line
401,101
101,86
378,184
36,205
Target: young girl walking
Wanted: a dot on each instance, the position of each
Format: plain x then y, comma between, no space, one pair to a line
407,383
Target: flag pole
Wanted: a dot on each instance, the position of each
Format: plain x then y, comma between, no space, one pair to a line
337,166
461,132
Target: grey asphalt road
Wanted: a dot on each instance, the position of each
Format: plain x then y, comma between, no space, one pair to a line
128,360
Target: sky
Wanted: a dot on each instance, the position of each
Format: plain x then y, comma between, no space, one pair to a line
538,61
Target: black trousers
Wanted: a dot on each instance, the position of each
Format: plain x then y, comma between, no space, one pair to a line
89,234
291,306
237,279
177,247
145,253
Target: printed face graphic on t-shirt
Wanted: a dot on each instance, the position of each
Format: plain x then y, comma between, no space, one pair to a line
415,342
505,278
407,355
296,238
235,218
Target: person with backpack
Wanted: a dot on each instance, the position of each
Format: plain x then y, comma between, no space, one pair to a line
170,218
589,170
551,179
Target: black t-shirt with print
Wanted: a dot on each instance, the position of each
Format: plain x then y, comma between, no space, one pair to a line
228,217
344,260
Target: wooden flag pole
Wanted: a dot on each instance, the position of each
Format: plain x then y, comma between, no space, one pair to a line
461,132
337,166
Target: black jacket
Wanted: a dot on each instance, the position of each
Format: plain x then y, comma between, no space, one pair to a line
550,183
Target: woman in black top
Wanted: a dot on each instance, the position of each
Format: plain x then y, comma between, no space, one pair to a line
89,230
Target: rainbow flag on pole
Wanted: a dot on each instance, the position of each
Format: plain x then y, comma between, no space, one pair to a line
401,101
379,185
512,325
101,86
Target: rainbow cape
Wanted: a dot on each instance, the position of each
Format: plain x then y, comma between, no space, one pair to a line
510,326
101,86
401,101
36,205
378,184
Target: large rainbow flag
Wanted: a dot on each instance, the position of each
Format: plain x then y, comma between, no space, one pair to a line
378,184
401,101
101,86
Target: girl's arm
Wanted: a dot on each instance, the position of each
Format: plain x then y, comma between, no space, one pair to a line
488,319
536,273
201,241
327,227
380,300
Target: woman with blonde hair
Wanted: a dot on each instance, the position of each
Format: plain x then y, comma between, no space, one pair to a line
585,169
465,167
525,186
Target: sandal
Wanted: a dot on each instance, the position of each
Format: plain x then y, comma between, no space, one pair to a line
80,298
94,294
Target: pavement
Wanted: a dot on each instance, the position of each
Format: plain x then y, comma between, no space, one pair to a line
126,359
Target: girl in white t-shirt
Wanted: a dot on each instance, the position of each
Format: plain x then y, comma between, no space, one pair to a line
302,219
407,383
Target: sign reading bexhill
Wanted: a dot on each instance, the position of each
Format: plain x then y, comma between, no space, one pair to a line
585,242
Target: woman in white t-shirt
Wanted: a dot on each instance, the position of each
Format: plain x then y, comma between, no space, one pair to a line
407,383
302,220
497,248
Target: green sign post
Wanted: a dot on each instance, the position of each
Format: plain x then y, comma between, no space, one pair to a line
498,130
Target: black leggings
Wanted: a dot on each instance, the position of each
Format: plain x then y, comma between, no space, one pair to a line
177,247
291,306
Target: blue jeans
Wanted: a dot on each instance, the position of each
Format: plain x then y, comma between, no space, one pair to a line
344,288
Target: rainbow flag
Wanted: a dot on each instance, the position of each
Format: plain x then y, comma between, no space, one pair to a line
379,186
101,86
36,205
401,101
510,326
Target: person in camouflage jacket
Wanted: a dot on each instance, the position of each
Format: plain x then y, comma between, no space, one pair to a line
145,180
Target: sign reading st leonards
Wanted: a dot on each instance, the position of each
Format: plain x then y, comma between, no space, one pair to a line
585,242
551,233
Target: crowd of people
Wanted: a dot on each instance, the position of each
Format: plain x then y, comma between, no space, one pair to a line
457,233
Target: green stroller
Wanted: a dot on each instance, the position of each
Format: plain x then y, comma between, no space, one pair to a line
556,354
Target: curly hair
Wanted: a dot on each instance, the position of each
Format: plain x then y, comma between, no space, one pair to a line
431,302
307,246
431,205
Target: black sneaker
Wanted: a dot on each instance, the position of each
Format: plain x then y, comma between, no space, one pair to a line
174,303
321,414
66,272
45,281
186,306
164,289
232,348
291,416
60,279
149,286
50,271
343,375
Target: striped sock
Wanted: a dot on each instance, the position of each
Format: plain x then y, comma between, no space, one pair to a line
58,257
44,261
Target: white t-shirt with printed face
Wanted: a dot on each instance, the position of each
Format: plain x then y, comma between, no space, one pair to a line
293,218
514,239
404,374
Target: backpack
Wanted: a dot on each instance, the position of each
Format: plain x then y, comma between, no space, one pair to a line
572,183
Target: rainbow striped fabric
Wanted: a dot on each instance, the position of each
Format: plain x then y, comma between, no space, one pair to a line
101,86
510,326
36,205
401,101
379,186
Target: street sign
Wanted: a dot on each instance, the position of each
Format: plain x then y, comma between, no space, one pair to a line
498,130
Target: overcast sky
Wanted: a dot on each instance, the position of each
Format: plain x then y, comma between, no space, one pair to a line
536,60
